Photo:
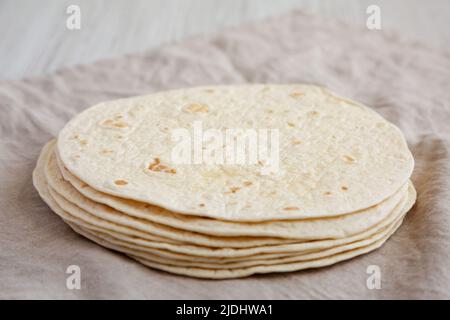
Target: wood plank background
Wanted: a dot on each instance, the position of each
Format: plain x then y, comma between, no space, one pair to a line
34,39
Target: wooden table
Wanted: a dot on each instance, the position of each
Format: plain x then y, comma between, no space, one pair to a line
34,38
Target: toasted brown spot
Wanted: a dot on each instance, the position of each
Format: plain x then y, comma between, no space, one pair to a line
209,90
234,189
196,108
201,205
84,185
297,94
75,136
114,123
269,111
120,124
348,159
83,142
121,182
107,151
291,208
344,188
247,183
313,113
290,124
296,141
328,193
156,166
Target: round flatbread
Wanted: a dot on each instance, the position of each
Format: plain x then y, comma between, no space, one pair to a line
306,229
189,249
334,156
103,241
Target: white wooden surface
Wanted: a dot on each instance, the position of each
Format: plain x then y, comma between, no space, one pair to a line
34,39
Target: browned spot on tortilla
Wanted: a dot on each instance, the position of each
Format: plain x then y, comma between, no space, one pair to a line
114,123
296,141
121,182
107,151
84,185
344,188
157,166
120,124
313,113
234,189
83,142
290,124
247,183
328,193
348,159
297,94
196,108
201,205
291,208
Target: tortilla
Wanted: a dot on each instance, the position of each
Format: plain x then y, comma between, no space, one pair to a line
188,249
336,156
103,241
306,229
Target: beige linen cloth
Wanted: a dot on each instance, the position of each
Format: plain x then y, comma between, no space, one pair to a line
407,83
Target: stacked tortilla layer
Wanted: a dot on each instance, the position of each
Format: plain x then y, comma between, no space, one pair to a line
340,190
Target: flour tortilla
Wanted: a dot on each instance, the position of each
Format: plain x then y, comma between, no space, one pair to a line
102,212
39,182
187,249
103,241
192,250
246,253
170,255
261,269
307,229
336,156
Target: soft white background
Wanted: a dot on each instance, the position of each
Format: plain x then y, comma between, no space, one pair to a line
34,39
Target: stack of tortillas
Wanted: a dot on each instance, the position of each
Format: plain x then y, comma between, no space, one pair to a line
337,183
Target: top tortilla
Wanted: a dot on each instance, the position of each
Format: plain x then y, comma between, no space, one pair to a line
336,156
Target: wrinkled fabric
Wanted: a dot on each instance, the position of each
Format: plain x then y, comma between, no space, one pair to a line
408,83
